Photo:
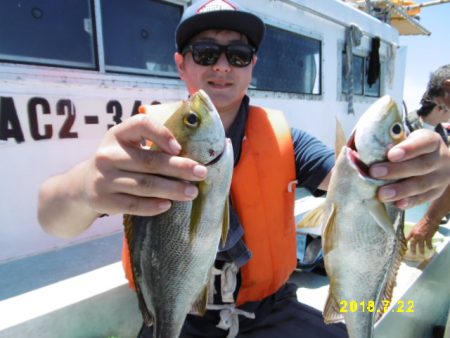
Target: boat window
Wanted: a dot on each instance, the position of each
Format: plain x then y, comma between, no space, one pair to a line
288,62
139,36
47,32
360,76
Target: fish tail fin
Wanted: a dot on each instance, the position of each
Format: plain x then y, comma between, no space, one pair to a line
331,311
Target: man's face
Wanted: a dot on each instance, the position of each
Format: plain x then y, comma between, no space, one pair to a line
440,113
225,84
443,102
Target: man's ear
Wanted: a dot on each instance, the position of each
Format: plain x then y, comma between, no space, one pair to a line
179,60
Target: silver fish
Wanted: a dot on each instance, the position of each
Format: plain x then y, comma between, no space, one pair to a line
172,253
362,239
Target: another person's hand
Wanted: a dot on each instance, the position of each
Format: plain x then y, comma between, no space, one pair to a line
123,177
421,163
422,234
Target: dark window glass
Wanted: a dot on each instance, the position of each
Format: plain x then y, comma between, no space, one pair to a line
358,75
288,62
47,32
360,85
374,89
139,36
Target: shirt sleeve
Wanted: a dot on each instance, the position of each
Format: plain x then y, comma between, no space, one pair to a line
314,160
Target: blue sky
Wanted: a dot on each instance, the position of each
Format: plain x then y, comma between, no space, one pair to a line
426,53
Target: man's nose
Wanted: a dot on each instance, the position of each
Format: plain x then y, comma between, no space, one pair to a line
222,64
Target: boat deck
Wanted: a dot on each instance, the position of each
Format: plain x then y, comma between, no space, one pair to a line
81,291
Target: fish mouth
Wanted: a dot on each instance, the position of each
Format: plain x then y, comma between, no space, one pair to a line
353,155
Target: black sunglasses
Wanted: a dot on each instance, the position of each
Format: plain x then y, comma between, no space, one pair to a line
206,53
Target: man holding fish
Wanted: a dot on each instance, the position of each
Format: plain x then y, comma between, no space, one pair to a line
217,42
437,101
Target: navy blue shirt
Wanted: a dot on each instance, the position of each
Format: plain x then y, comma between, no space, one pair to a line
313,162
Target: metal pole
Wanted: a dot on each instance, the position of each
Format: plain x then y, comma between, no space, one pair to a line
427,4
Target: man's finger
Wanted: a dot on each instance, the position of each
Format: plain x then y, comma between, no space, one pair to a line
411,192
143,185
429,242
419,166
138,160
142,127
418,143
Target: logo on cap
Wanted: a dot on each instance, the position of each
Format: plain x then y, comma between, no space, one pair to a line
216,5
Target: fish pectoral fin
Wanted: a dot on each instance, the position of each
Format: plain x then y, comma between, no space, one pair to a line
379,213
200,304
225,221
331,311
314,218
197,208
329,231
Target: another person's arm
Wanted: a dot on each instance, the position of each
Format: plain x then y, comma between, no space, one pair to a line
314,162
423,232
120,177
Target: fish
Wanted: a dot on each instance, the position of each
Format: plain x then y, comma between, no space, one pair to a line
363,239
172,253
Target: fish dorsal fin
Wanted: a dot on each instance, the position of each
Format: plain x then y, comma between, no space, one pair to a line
331,311
399,253
225,221
314,218
340,138
379,213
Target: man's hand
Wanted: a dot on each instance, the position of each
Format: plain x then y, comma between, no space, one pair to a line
124,177
422,234
121,177
421,163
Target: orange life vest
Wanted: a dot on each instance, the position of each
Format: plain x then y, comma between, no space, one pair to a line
263,194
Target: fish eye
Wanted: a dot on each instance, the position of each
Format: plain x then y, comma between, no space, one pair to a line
396,131
192,120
